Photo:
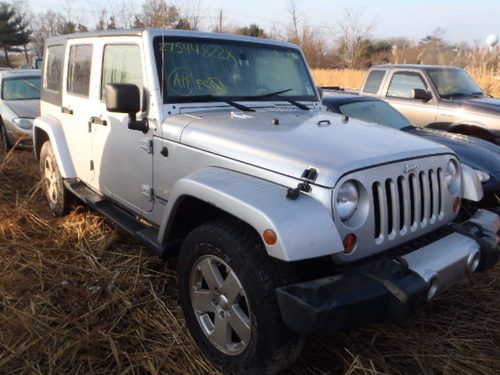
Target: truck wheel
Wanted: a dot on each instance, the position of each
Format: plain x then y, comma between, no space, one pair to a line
52,181
227,286
5,139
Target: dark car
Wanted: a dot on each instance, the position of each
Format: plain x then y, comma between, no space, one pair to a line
481,155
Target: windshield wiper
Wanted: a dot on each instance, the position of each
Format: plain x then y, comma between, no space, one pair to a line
213,98
277,94
30,85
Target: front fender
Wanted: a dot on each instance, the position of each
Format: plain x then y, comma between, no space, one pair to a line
486,124
55,134
304,227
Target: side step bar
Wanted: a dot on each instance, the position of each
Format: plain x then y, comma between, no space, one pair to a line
125,220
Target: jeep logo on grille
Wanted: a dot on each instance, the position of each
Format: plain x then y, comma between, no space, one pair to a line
410,167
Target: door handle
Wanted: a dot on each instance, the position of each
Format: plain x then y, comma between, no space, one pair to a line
67,110
97,121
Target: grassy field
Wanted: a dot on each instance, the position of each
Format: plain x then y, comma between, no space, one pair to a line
353,79
78,297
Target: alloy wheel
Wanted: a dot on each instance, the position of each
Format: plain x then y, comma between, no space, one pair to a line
220,305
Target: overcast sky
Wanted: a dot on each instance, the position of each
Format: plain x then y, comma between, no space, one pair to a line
463,20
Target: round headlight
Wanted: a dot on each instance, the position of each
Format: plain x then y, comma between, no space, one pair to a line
451,172
347,200
24,123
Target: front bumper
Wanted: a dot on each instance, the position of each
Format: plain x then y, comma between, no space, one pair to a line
391,289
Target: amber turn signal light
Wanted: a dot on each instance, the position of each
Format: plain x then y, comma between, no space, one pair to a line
350,242
456,205
270,237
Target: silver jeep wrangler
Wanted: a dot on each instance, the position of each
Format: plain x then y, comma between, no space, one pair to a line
284,220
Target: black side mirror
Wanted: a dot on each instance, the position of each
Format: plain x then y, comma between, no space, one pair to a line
421,94
125,98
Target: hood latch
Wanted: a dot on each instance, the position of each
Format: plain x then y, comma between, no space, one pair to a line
309,175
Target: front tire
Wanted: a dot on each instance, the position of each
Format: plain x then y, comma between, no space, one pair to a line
52,182
7,145
227,286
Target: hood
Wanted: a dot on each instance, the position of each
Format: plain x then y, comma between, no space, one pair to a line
24,108
302,140
474,152
484,105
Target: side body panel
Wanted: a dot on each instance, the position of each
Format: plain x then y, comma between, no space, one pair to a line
122,158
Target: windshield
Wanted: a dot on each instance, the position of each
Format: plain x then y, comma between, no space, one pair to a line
453,82
208,70
21,88
375,111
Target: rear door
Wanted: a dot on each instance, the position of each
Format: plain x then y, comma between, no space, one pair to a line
76,105
398,93
123,158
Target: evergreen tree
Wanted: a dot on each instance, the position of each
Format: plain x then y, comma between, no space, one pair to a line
14,31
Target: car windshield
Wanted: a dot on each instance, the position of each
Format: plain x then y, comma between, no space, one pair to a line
210,70
454,82
21,88
375,111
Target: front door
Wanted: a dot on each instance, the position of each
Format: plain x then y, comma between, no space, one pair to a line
123,160
399,91
76,108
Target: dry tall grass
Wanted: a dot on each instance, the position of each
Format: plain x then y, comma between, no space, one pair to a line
353,79
77,297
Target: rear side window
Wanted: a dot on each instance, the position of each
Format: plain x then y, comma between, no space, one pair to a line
53,70
80,63
402,84
122,64
373,81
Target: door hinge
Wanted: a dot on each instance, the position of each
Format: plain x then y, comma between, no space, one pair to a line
147,145
148,192
91,165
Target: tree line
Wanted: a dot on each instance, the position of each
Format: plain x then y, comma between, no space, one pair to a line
346,45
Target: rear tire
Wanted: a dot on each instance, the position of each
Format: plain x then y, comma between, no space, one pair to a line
226,278
52,182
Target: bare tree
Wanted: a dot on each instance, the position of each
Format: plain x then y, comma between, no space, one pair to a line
125,14
354,33
295,15
192,12
310,38
44,26
157,13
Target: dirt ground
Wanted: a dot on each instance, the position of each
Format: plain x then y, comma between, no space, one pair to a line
78,297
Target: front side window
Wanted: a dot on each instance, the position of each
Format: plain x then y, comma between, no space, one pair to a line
80,63
377,111
198,70
122,64
453,82
21,88
403,83
53,70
